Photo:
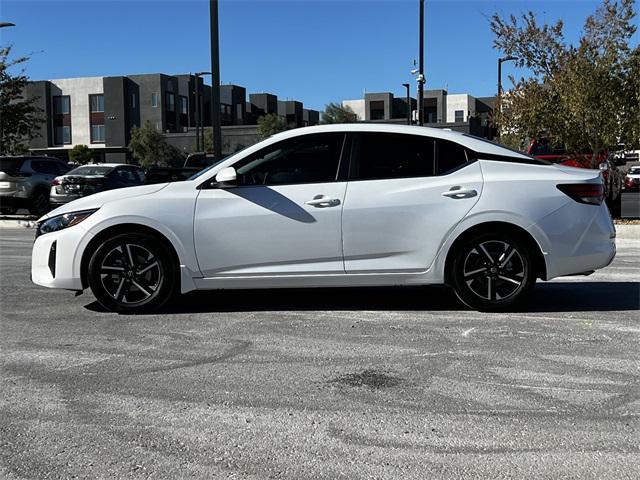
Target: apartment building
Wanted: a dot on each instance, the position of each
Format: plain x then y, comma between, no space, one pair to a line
100,112
460,112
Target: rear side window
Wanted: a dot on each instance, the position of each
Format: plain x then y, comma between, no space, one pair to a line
44,166
11,164
304,159
378,156
451,156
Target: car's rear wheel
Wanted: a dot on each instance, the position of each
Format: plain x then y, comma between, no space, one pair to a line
132,272
39,204
493,272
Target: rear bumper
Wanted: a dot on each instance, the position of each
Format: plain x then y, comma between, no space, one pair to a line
576,238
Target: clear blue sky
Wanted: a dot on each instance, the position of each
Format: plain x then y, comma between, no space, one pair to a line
313,51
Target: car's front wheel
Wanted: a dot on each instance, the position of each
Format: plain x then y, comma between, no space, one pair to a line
493,272
132,272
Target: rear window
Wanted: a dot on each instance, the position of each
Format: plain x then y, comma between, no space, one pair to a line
11,164
90,170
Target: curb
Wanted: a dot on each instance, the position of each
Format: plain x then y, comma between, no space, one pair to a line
15,223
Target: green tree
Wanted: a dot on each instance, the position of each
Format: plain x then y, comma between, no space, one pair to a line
150,148
583,96
270,124
80,154
336,113
19,117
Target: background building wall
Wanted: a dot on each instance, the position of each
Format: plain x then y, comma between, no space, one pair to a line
463,102
358,106
79,90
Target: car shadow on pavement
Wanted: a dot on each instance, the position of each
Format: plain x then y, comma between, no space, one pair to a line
547,297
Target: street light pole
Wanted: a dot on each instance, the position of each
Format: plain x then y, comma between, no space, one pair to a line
197,111
215,80
421,69
408,87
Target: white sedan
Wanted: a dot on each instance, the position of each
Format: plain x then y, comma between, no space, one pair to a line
336,206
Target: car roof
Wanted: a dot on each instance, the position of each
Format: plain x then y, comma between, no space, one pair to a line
112,165
474,143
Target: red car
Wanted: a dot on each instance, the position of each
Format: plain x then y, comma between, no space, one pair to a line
612,176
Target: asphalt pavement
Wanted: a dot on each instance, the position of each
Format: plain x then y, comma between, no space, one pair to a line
383,383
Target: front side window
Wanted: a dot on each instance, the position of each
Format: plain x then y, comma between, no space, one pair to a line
378,156
304,159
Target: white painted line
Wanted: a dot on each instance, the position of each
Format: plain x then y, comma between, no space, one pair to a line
467,332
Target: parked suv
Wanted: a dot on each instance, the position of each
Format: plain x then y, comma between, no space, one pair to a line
89,179
25,183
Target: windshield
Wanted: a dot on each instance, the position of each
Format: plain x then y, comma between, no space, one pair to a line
90,170
634,170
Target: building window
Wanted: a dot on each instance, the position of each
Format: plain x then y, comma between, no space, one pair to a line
377,110
97,133
61,120
183,105
133,100
62,105
154,99
62,135
459,116
171,102
97,103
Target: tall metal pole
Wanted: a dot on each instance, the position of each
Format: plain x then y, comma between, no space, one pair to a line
215,81
197,113
408,87
421,69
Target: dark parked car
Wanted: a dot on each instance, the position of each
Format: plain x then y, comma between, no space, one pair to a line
25,183
90,179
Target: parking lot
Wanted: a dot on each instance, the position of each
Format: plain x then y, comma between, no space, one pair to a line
365,383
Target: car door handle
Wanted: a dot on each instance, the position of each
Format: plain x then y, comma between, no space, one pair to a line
457,192
323,201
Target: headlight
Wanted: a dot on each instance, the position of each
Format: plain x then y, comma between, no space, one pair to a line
60,222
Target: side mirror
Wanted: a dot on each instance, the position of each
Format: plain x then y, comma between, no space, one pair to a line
227,177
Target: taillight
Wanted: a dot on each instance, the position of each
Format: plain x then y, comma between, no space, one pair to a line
56,181
590,193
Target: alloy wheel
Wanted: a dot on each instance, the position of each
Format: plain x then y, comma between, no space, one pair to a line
494,270
130,273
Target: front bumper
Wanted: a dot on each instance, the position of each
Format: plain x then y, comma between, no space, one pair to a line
59,249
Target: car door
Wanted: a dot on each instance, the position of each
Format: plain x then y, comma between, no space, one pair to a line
405,194
282,217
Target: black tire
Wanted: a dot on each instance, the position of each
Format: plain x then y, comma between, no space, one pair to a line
493,272
39,204
133,273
